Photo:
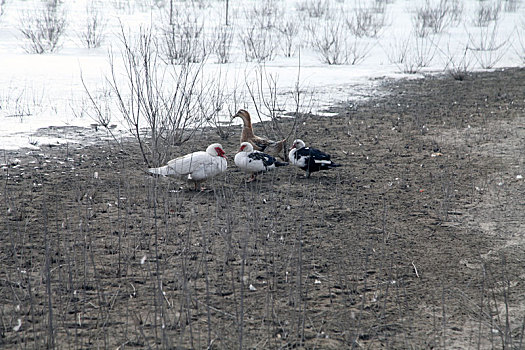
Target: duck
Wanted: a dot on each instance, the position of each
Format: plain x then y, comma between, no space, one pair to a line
196,167
255,162
260,144
309,159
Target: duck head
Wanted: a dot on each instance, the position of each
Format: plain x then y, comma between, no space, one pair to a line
298,144
246,147
244,115
215,149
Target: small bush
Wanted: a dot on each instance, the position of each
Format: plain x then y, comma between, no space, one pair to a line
94,30
366,22
328,40
44,28
487,12
487,47
183,40
459,67
163,103
412,54
223,43
266,13
314,8
289,30
379,6
259,44
336,44
434,18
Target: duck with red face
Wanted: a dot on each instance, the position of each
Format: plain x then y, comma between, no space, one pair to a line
255,162
196,167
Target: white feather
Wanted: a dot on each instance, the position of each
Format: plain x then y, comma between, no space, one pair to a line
322,161
196,166
247,164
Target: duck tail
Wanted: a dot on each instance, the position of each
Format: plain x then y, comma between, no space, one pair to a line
163,171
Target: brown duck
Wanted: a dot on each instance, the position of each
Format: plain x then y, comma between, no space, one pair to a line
261,144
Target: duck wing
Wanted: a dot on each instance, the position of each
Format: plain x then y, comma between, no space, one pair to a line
184,165
208,168
260,144
313,153
268,146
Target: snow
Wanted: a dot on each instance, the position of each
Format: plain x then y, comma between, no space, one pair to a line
42,90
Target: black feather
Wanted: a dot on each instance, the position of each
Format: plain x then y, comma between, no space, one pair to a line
315,160
266,158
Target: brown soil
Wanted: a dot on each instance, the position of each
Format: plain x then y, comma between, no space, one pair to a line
416,242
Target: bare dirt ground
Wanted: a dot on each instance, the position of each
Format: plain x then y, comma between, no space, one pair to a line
416,242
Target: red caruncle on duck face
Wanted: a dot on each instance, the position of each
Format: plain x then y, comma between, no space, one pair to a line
220,152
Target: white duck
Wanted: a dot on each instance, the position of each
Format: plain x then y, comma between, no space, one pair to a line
255,162
196,166
309,159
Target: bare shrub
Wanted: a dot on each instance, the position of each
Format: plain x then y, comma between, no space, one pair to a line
214,95
511,5
183,39
487,47
456,12
397,50
44,27
95,26
357,50
158,102
412,54
336,44
266,13
435,17
222,44
100,109
459,66
366,22
269,103
259,43
486,13
314,8
328,41
259,37
289,30
379,6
